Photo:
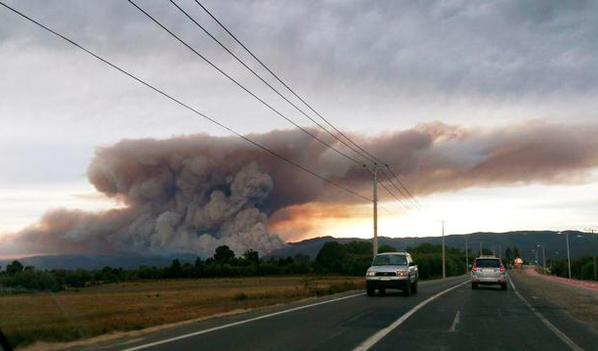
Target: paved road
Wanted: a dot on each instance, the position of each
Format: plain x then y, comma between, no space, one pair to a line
435,319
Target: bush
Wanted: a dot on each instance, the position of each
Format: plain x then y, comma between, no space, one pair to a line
240,296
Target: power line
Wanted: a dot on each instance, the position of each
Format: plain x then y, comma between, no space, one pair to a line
213,65
395,197
408,195
371,157
257,75
402,185
179,102
189,17
367,155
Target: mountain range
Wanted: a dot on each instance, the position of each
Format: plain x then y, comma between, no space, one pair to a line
555,246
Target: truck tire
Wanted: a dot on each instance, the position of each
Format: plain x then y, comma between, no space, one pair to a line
370,291
407,290
414,287
474,286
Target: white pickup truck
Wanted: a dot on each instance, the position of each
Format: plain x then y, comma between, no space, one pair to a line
392,270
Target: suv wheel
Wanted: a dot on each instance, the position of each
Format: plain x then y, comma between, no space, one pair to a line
474,285
503,286
414,287
371,291
407,290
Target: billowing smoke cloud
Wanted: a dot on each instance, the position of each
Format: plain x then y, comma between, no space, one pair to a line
193,193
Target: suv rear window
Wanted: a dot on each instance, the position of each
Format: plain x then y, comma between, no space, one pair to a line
390,260
487,263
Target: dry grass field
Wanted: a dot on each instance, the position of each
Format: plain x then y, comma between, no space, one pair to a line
79,314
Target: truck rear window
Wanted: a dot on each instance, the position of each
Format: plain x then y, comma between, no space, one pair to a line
488,263
390,260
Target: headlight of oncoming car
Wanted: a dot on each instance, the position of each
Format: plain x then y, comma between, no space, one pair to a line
402,272
370,274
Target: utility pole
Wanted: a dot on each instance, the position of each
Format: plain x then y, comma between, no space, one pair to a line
568,253
543,257
466,257
375,241
443,258
591,230
500,251
481,249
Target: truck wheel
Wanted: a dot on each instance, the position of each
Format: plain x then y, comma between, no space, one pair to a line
382,291
503,286
371,291
474,286
407,290
414,287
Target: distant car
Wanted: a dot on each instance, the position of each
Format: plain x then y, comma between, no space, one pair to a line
488,270
392,270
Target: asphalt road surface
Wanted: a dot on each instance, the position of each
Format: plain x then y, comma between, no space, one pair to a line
444,315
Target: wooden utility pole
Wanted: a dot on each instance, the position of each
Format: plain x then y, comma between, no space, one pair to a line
375,241
466,257
443,257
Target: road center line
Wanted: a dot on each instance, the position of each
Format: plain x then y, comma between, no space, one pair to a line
372,340
572,345
205,331
455,322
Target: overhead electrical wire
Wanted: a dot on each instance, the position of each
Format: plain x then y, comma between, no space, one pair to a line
403,186
236,82
179,102
257,75
364,153
394,196
170,97
370,156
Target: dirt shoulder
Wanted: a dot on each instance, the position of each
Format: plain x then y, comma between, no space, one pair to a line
579,302
572,282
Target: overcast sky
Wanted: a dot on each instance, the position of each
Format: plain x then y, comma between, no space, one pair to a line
368,66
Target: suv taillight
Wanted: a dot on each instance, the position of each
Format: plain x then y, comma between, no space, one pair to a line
474,269
502,269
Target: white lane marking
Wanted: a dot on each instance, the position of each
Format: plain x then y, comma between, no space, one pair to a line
455,322
372,340
205,331
120,344
572,345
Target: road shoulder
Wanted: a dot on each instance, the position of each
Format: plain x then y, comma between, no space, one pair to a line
573,310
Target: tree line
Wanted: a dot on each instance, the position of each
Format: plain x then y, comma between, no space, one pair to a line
351,259
581,268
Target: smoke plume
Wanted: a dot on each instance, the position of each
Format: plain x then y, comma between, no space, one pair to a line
194,193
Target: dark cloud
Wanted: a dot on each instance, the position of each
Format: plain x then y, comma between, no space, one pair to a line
498,49
193,193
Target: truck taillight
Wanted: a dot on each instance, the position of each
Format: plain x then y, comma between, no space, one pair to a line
502,269
474,269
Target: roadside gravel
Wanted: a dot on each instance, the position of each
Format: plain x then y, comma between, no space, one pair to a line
579,302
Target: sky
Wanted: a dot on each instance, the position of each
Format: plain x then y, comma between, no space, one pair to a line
371,68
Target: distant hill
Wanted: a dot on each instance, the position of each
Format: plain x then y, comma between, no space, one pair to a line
525,241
